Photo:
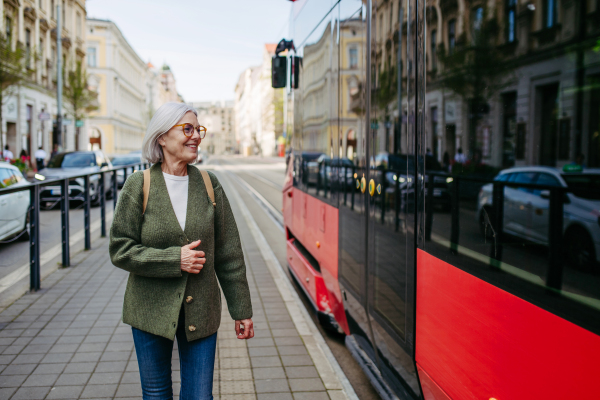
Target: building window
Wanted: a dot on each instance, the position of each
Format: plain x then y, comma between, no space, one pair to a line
78,25
451,35
381,27
511,12
550,13
477,22
433,50
8,27
353,55
52,9
91,57
28,48
42,4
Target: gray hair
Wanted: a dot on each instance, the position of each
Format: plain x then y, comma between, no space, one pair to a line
164,119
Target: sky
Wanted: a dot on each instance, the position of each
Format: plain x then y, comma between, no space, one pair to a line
207,43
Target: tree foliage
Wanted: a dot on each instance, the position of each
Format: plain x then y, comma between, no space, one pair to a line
80,99
12,71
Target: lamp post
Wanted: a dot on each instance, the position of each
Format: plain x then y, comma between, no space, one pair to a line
59,84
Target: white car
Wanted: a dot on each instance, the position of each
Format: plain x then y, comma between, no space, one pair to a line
526,211
13,206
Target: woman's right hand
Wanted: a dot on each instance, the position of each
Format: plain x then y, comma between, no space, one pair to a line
192,261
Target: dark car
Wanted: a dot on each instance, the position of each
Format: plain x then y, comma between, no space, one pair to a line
123,160
66,164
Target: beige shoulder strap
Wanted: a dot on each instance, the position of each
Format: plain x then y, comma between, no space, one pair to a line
209,186
146,189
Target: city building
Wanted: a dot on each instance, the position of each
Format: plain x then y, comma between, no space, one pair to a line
258,109
218,119
120,77
30,111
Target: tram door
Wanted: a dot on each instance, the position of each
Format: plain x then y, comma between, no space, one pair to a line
391,198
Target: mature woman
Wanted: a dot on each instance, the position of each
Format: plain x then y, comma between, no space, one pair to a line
175,248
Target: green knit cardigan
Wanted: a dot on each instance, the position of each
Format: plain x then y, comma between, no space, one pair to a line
148,246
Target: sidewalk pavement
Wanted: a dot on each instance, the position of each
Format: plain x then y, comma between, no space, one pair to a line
67,341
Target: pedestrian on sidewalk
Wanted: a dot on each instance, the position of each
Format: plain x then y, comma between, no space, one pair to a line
177,249
40,158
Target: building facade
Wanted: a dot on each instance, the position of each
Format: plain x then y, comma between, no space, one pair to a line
218,119
258,109
122,80
29,113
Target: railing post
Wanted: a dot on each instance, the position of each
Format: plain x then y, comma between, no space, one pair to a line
455,229
102,205
34,238
345,182
555,235
114,189
429,186
498,221
64,205
354,177
86,214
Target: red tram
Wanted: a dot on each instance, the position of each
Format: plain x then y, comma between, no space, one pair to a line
442,196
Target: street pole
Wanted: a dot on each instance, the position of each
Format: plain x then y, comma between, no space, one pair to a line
59,83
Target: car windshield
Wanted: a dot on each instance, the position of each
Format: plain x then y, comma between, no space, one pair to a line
125,161
72,160
586,186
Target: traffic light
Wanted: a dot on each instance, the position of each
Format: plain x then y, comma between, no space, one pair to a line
278,71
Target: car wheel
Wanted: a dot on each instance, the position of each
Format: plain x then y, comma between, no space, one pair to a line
580,252
486,228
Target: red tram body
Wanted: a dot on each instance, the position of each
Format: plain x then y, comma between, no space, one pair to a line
453,274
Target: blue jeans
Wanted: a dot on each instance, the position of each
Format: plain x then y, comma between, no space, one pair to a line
197,361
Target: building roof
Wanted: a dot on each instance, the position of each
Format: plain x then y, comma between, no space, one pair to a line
270,47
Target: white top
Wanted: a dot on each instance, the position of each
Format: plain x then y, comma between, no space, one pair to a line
40,153
177,186
8,154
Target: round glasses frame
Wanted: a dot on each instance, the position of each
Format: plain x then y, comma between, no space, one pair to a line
200,129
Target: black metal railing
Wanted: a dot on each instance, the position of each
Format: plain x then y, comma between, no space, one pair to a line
34,212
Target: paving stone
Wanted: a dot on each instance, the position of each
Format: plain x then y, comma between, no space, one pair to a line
262,351
73,379
12,380
242,374
260,362
129,390
132,377
274,396
31,393
49,368
232,363
102,378
236,387
65,392
296,360
306,385
268,373
53,358
289,341
263,342
83,367
98,391
271,385
19,369
301,372
5,393
40,380
28,358
311,396
292,350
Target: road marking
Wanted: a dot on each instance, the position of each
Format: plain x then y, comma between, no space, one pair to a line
329,370
23,271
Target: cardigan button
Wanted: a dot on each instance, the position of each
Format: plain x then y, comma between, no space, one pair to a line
192,328
189,299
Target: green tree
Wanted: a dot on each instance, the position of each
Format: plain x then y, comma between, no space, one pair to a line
12,72
79,98
475,70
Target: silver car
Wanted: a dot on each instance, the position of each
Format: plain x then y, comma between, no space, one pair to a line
526,211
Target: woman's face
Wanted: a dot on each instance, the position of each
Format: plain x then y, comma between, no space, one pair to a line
178,147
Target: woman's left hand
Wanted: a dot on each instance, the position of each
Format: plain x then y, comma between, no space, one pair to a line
244,328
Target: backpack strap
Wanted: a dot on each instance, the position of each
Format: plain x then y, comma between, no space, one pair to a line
209,186
146,189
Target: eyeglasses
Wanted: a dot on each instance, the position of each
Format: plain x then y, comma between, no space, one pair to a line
188,130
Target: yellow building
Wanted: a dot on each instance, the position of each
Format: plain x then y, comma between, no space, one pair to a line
120,76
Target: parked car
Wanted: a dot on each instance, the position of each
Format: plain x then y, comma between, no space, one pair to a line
66,164
122,160
13,206
526,211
